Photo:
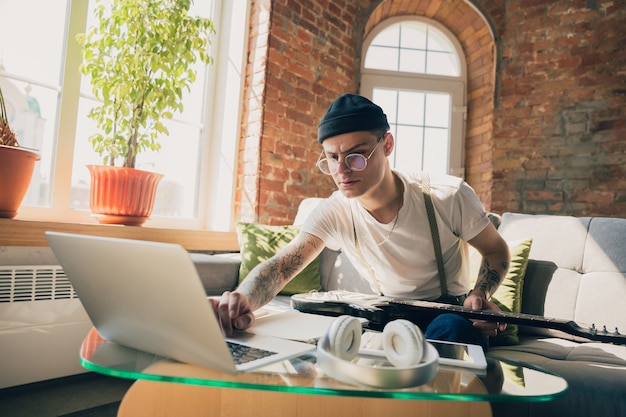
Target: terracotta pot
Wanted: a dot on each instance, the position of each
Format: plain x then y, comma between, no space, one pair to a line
122,195
16,171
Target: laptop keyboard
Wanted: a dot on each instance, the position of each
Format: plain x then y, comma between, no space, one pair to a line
242,353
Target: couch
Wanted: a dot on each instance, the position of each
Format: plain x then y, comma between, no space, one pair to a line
576,270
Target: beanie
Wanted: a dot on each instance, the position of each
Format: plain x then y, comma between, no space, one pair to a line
351,113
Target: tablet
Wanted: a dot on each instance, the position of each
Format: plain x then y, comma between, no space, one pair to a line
460,354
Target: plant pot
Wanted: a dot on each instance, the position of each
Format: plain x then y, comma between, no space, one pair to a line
16,170
122,195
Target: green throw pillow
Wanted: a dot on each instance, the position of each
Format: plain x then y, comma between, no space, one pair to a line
509,294
257,243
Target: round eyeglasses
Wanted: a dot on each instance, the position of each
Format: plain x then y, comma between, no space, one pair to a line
354,161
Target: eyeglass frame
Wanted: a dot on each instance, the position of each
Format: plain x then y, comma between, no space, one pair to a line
366,159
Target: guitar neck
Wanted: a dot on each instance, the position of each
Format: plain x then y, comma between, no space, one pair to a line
380,310
410,307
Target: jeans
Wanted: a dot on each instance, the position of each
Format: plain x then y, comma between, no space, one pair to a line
454,328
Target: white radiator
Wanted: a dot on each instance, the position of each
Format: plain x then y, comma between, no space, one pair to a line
42,325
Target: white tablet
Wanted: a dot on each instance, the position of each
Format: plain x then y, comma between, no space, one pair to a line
460,354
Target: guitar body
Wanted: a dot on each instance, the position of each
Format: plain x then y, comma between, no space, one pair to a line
373,308
380,310
377,310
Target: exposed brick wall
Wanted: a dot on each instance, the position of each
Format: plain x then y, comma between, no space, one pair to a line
253,119
560,121
310,60
546,128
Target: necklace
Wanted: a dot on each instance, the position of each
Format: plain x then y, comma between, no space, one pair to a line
399,199
395,221
364,261
358,246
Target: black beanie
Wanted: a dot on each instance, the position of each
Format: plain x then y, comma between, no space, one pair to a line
351,113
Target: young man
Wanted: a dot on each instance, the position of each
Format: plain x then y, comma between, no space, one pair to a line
379,219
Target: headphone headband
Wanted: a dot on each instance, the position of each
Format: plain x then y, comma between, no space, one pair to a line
380,376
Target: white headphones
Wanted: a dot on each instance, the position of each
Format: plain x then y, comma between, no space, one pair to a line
414,361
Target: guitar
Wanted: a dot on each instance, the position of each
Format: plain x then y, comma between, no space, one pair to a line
380,310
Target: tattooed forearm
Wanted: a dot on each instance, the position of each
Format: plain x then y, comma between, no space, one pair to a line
268,278
489,278
263,282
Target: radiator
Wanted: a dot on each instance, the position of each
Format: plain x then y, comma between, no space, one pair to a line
42,325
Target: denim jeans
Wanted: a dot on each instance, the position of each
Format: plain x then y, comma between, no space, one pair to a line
454,328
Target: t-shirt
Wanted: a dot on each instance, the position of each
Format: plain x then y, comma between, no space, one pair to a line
401,263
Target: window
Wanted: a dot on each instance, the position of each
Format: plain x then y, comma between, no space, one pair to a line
49,101
414,69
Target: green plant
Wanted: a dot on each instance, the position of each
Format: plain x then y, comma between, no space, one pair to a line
7,135
139,58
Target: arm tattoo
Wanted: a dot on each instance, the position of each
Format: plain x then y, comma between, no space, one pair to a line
268,278
489,278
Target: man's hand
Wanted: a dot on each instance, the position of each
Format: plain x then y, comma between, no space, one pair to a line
233,311
476,301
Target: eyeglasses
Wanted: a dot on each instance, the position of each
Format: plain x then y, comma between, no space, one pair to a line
354,161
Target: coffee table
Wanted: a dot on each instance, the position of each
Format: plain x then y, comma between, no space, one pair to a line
165,387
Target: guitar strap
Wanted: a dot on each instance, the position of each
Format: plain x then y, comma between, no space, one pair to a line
434,231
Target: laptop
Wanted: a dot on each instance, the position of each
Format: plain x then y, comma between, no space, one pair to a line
148,296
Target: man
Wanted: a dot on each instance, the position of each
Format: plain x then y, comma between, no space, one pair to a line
379,219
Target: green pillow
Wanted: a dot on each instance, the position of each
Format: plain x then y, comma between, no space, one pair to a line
257,243
508,296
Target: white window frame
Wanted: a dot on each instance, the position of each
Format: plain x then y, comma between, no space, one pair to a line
222,119
405,81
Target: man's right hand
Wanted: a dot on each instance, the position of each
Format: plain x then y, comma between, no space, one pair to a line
233,311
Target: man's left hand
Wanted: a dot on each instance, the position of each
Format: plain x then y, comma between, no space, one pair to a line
476,302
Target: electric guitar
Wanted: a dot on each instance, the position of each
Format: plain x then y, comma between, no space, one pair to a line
380,310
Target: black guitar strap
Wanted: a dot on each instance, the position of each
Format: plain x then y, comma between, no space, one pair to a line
434,231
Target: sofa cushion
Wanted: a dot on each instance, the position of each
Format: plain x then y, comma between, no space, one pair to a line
338,273
218,273
509,294
577,269
260,242
602,292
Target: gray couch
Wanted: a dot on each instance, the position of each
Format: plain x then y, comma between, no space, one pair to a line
577,271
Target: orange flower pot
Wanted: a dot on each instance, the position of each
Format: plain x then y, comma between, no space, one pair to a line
122,195
16,170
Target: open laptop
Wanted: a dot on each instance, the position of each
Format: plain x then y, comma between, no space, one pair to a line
149,296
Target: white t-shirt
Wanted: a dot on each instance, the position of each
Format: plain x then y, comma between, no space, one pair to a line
404,264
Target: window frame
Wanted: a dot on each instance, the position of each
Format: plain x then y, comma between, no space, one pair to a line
218,150
456,87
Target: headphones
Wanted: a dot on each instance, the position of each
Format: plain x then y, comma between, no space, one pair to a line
413,360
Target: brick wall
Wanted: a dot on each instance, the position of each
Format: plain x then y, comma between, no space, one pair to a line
310,60
560,118
546,129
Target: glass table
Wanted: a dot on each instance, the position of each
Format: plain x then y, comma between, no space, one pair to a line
455,390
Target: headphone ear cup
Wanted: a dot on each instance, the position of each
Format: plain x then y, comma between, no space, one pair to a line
344,337
403,343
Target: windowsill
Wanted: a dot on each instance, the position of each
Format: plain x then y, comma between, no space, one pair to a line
17,232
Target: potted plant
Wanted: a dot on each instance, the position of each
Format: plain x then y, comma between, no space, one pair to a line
16,166
139,58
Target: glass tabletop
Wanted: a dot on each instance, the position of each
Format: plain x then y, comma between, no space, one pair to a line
502,381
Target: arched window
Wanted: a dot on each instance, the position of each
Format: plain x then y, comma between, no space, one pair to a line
414,69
